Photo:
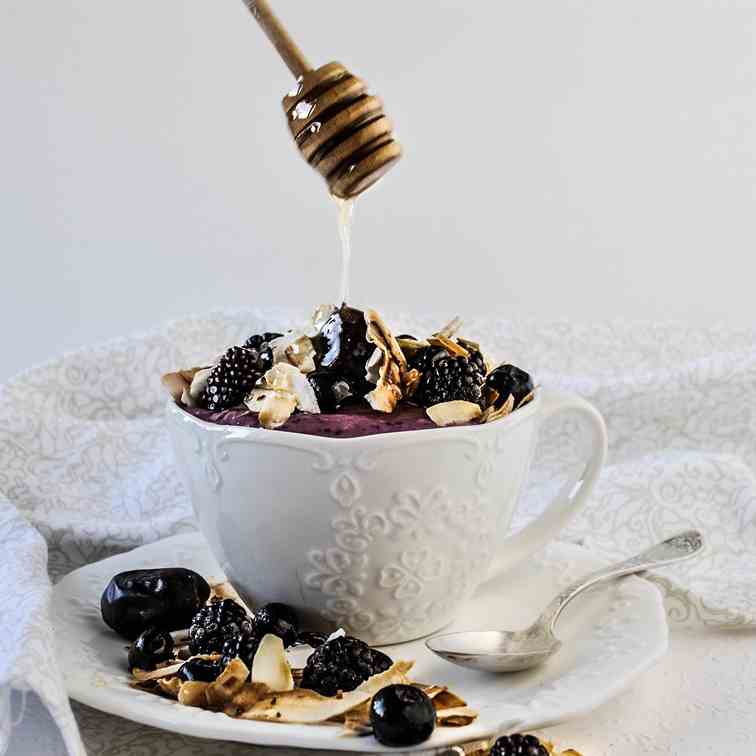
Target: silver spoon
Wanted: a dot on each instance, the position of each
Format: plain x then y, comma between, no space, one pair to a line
503,651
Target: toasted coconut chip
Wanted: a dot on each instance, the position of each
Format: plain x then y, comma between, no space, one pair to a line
277,408
477,748
199,382
228,684
457,412
269,666
384,398
373,366
410,382
170,686
459,717
179,382
387,393
286,378
442,697
141,676
526,399
491,414
357,721
304,706
378,333
451,346
193,693
301,706
296,349
450,328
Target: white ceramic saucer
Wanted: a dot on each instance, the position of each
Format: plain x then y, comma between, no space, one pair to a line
610,636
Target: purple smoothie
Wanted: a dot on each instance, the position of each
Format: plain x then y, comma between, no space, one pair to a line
347,422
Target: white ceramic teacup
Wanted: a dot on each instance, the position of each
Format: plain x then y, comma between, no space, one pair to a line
385,535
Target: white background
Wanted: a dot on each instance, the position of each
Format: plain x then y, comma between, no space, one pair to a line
577,159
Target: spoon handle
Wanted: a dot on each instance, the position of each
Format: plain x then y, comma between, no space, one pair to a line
676,549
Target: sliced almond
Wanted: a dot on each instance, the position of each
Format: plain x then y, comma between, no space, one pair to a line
451,346
193,693
270,667
451,328
457,412
412,345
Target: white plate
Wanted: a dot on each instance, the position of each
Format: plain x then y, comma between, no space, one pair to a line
610,636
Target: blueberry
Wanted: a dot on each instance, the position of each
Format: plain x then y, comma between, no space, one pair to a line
331,389
342,344
277,619
151,648
506,380
312,639
166,598
402,715
202,670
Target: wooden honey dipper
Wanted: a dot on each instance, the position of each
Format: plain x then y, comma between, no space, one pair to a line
340,129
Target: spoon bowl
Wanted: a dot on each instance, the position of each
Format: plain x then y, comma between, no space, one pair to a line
514,651
494,650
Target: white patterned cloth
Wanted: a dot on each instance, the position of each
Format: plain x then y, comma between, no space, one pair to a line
85,462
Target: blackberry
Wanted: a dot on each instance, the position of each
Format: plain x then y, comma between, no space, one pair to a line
242,645
261,341
424,358
215,623
234,376
451,378
402,715
342,664
342,344
506,380
277,619
518,745
203,670
151,648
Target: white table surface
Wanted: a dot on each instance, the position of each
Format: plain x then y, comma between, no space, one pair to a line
700,700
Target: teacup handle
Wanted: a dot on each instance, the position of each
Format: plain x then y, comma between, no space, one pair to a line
573,496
